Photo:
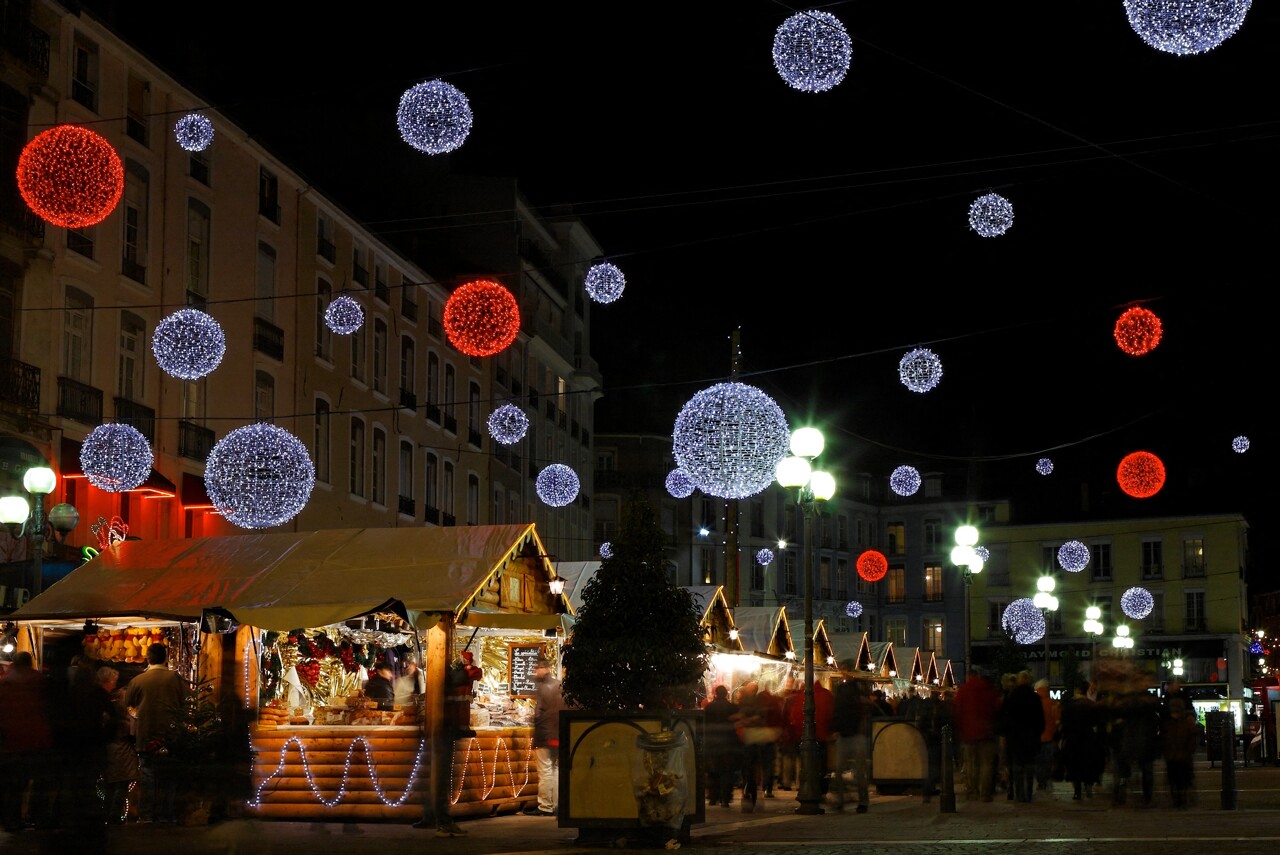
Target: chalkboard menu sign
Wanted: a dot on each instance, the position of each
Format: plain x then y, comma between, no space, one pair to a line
1215,723
520,661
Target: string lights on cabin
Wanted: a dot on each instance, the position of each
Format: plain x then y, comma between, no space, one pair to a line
344,315
872,565
487,785
188,344
1186,27
259,476
1140,474
70,176
920,370
604,282
481,318
679,484
357,742
508,424
557,485
905,481
1073,556
812,51
116,457
991,215
1023,621
1240,444
1137,331
194,132
729,439
434,117
1044,466
764,557
1137,603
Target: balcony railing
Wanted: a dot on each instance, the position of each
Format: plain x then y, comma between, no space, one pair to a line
448,519
194,441
19,384
27,43
135,271
408,400
135,127
1152,571
433,413
500,375
141,417
326,250
359,275
451,423
1193,571
269,208
408,308
408,506
431,515
382,292
435,327
268,339
473,437
79,402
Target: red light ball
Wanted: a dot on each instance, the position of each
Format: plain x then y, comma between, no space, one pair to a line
70,176
1138,331
1141,474
481,318
872,565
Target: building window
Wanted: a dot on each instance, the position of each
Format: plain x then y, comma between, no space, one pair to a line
824,578
473,500
268,195
193,400
197,252
380,356
1152,559
356,457
433,387
408,373
932,536
130,360
473,412
1049,560
199,165
1154,622
1193,564
842,532
757,576
895,584
324,239
842,578
789,586
932,583
1103,602
931,635
431,484
446,492
84,72
264,396
499,507
77,335
265,287
995,617
81,240
357,354
1194,615
1100,561
895,631
896,544
379,467
450,399
406,469
137,109
324,336
322,440
136,184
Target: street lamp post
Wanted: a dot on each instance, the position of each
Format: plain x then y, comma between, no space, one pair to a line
17,513
1046,602
812,489
1093,626
964,555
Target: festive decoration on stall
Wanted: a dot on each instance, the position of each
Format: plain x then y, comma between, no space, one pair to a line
481,318
194,132
1186,27
557,485
70,176
1044,466
1137,331
872,565
905,480
729,439
1023,622
458,770
812,51
358,742
679,484
344,315
1137,603
1140,474
508,424
853,609
1240,444
991,215
434,117
188,344
109,533
764,557
604,282
128,644
1073,556
606,550
920,370
115,457
259,476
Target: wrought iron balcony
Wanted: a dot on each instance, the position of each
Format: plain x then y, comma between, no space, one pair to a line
194,441
79,402
268,339
326,250
141,417
408,400
431,515
19,384
474,437
408,506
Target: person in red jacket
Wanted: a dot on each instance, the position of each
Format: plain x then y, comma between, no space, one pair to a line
976,705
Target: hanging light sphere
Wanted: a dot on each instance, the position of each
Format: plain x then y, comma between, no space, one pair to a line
63,517
1137,603
984,554
508,424
1044,466
481,318
853,608
259,476
729,439
70,176
1073,556
188,344
344,315
905,480
115,457
1141,474
605,282
194,132
872,565
606,550
991,215
557,485
1137,331
1023,622
679,484
1185,27
920,370
434,117
1240,444
764,557
812,51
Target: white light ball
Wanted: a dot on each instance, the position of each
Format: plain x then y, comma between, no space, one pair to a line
812,51
344,315
1186,27
1044,466
679,484
434,117
115,457
557,485
1073,556
259,476
1023,622
729,438
1137,603
606,550
604,282
764,557
188,344
193,132
984,554
508,424
920,370
991,215
853,608
905,481
1240,444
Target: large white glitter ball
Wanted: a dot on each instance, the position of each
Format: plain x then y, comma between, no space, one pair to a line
557,485
259,475
1073,556
1137,603
729,439
853,608
1044,466
764,557
115,457
434,117
344,315
1185,27
905,481
812,51
1240,444
193,132
991,215
983,553
606,550
605,282
679,484
920,370
1023,622
188,344
508,424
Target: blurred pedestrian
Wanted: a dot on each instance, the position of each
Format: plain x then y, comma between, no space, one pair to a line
120,769
722,746
882,707
26,745
772,705
546,737
1023,722
976,706
754,734
851,730
158,696
1179,737
1135,738
412,684
789,741
1048,737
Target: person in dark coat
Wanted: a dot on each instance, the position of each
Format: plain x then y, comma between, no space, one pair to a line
546,737
1135,730
722,747
1178,739
851,729
158,695
26,744
1081,742
1022,717
380,687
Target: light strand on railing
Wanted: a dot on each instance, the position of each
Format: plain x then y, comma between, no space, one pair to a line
256,801
456,792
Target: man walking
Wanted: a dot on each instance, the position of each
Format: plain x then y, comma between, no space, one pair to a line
850,728
158,695
546,738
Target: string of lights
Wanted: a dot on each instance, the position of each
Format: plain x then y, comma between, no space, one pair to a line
358,742
488,785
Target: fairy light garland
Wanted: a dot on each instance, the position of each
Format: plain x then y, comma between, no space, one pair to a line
507,424
481,318
920,370
259,475
1073,556
70,176
729,439
1022,621
188,344
1185,27
1137,331
434,117
991,215
1137,602
557,485
905,480
466,762
812,51
679,484
193,132
1140,474
358,741
116,457
605,282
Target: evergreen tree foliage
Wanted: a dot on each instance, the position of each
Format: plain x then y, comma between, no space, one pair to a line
637,643
1010,658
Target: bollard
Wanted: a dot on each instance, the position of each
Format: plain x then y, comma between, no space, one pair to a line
947,801
1228,764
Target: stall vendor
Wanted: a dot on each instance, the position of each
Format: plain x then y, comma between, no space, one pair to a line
379,687
462,677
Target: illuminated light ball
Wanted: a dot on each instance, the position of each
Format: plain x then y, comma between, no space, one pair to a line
872,565
920,370
188,344
508,424
905,480
1240,444
557,485
729,439
344,315
194,132
984,554
70,176
1022,621
606,550
764,557
991,215
115,457
605,282
434,117
1044,466
1138,331
1256,648
679,484
1141,474
1137,603
481,318
259,476
1073,556
853,608
1185,27
812,51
